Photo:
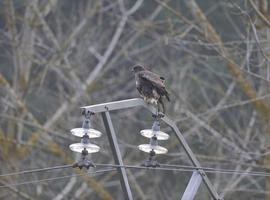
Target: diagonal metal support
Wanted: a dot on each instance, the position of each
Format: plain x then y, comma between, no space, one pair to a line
193,186
129,103
117,155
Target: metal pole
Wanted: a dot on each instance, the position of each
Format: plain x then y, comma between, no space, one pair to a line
117,154
193,186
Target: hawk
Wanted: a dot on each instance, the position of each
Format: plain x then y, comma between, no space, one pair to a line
150,86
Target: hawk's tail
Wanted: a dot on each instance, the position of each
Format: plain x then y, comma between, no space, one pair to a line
160,101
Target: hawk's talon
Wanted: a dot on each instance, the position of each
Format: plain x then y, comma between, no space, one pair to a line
160,115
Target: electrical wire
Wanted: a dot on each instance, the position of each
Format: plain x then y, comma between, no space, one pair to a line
223,171
36,170
55,178
164,167
215,169
142,167
185,168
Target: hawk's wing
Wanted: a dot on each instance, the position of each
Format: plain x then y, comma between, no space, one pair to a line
155,79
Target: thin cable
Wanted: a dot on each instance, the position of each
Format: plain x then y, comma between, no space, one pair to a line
213,169
36,170
142,167
222,171
184,168
164,167
55,178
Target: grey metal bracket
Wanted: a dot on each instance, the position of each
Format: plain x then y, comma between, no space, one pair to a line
83,162
137,102
150,162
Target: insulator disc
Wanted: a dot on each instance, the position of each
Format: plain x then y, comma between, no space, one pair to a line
78,147
92,133
157,149
159,134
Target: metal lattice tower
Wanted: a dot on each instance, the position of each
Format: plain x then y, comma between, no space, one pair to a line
198,174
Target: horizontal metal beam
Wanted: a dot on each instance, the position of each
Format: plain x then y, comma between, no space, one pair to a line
124,104
114,105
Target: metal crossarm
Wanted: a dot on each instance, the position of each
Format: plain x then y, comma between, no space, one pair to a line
136,102
114,105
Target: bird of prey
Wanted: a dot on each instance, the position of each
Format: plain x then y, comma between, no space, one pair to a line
150,86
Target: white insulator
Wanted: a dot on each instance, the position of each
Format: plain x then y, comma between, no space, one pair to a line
149,133
156,148
79,147
80,132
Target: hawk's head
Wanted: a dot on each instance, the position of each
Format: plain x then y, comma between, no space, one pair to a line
137,68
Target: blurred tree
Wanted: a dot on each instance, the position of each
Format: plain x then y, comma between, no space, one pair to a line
56,56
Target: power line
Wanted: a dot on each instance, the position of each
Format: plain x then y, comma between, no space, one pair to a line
224,171
142,167
55,178
185,168
164,167
95,172
36,170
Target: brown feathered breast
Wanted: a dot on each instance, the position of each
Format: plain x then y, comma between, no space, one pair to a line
151,87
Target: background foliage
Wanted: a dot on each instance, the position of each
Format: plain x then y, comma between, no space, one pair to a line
57,55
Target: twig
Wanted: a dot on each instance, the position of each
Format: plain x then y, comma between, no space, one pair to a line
262,17
67,189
